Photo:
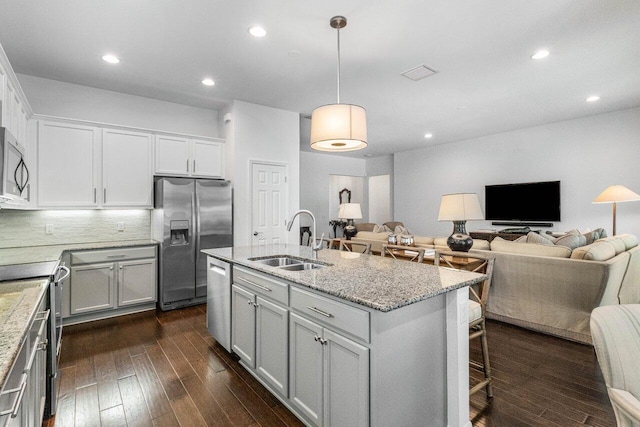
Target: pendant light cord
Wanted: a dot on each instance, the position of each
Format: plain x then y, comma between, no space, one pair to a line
338,29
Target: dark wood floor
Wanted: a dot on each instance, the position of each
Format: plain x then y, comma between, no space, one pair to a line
163,369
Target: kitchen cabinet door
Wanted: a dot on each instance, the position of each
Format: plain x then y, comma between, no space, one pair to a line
172,156
67,165
136,282
305,368
92,288
272,339
127,174
346,381
208,159
243,325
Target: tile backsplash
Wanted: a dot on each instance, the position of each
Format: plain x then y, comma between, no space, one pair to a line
28,228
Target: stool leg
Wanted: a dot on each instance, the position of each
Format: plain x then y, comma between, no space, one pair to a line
485,359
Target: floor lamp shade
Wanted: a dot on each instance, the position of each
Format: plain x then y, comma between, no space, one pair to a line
615,194
339,127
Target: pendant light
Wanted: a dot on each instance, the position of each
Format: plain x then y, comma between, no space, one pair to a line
338,127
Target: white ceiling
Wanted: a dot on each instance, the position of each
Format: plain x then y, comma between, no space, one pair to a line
486,82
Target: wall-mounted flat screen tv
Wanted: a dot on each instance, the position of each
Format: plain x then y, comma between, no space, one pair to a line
531,201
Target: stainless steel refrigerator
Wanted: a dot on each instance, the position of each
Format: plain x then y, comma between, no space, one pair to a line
190,215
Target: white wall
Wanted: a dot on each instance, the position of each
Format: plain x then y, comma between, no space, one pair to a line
381,166
55,98
586,155
315,169
266,134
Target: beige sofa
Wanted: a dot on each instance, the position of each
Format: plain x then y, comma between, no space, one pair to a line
551,288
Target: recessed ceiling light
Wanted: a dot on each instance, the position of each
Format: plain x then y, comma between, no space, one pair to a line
593,98
540,54
111,59
208,82
428,135
257,31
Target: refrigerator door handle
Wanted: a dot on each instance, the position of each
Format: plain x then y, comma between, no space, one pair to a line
197,230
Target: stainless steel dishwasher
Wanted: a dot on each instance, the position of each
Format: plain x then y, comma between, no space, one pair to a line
219,301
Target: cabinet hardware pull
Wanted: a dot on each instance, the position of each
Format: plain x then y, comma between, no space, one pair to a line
316,338
187,165
194,165
323,341
256,305
264,288
104,196
324,313
249,302
15,408
116,256
95,200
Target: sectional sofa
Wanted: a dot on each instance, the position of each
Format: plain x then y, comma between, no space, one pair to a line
547,287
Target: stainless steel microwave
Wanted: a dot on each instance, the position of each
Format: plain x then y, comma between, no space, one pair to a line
13,169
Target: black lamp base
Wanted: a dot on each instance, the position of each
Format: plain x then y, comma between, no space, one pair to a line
459,241
350,231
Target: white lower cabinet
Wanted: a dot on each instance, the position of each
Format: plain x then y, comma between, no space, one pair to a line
99,283
259,335
329,375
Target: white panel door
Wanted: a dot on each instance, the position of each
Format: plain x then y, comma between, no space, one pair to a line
346,382
172,156
127,176
272,339
67,165
208,159
269,203
305,368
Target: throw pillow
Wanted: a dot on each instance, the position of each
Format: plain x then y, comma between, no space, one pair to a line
402,230
386,229
600,251
521,239
377,229
571,241
574,232
534,237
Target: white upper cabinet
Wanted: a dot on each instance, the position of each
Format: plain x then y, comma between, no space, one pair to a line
127,175
67,165
178,156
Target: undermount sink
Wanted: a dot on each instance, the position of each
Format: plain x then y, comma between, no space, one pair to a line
303,266
289,264
278,261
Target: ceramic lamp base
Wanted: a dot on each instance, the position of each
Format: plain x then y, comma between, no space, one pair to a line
350,231
459,241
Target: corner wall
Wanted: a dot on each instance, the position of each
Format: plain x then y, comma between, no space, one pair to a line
586,155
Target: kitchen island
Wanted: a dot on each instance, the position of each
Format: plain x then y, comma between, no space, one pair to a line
350,339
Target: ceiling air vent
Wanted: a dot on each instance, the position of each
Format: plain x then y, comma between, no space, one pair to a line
418,73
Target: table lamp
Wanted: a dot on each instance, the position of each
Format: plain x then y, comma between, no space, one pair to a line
350,211
460,208
614,194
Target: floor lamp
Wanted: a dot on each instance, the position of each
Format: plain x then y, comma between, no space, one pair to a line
614,194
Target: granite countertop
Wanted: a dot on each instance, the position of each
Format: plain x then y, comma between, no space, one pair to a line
383,284
29,254
18,304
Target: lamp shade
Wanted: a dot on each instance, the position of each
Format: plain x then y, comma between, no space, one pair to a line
460,207
350,211
616,193
339,127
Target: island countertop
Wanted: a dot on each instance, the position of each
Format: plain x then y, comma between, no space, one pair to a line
383,284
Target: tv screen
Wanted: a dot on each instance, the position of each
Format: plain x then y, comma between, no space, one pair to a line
532,201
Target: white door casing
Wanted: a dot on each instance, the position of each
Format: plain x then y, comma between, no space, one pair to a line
269,201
